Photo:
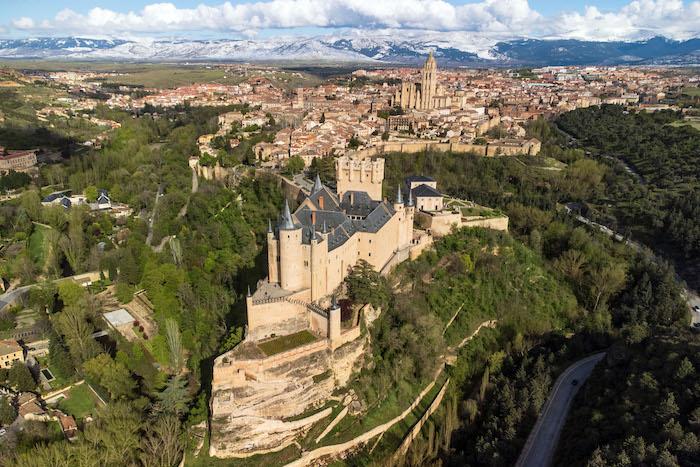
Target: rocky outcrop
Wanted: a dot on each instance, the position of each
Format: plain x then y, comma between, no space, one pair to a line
252,415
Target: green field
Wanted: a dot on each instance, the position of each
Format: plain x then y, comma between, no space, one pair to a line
691,123
155,75
80,402
38,247
284,343
691,91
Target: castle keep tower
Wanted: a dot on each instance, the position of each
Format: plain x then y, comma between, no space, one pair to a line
359,175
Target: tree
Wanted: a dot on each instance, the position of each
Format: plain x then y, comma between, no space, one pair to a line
42,296
7,411
59,358
111,375
162,446
116,433
605,281
73,244
21,378
365,285
234,337
174,397
295,165
172,333
91,193
572,265
70,292
30,202
353,143
73,324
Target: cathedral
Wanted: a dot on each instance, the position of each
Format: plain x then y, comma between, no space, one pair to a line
419,96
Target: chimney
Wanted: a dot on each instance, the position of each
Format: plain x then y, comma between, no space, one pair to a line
352,198
321,202
313,217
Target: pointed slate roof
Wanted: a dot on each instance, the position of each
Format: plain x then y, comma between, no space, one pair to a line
317,185
286,223
399,196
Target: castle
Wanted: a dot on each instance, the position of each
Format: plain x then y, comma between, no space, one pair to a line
297,347
311,251
423,95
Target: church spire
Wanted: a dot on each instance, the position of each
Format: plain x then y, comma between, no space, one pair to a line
399,196
287,223
410,198
317,185
269,225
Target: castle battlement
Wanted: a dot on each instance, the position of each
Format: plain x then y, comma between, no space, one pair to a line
364,175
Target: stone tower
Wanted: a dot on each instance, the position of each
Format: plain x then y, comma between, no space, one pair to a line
359,175
428,83
291,263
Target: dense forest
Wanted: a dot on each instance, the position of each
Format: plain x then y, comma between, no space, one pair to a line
661,206
641,406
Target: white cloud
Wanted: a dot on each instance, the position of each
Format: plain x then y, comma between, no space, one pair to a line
490,18
23,23
638,19
500,15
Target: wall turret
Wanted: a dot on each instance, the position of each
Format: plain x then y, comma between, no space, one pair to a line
273,266
398,204
334,324
290,252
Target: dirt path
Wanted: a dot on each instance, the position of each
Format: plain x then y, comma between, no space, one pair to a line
307,458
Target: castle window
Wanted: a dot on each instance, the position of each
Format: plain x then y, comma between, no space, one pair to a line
306,264
370,240
370,254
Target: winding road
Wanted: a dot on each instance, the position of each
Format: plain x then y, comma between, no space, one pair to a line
542,442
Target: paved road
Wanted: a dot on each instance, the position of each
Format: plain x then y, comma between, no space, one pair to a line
689,295
542,442
9,297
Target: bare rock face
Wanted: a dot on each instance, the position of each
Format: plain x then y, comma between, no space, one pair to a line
253,417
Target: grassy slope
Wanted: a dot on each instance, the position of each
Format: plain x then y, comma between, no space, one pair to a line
80,402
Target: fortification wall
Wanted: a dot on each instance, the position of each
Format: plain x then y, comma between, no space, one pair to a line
485,150
442,224
494,223
278,317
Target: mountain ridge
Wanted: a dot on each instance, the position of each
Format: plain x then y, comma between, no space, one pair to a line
450,49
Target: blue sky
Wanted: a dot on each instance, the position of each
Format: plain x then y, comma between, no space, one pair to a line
498,19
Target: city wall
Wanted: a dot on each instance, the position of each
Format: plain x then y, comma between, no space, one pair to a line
484,150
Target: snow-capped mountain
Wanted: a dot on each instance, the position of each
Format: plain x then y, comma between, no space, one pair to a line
454,48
